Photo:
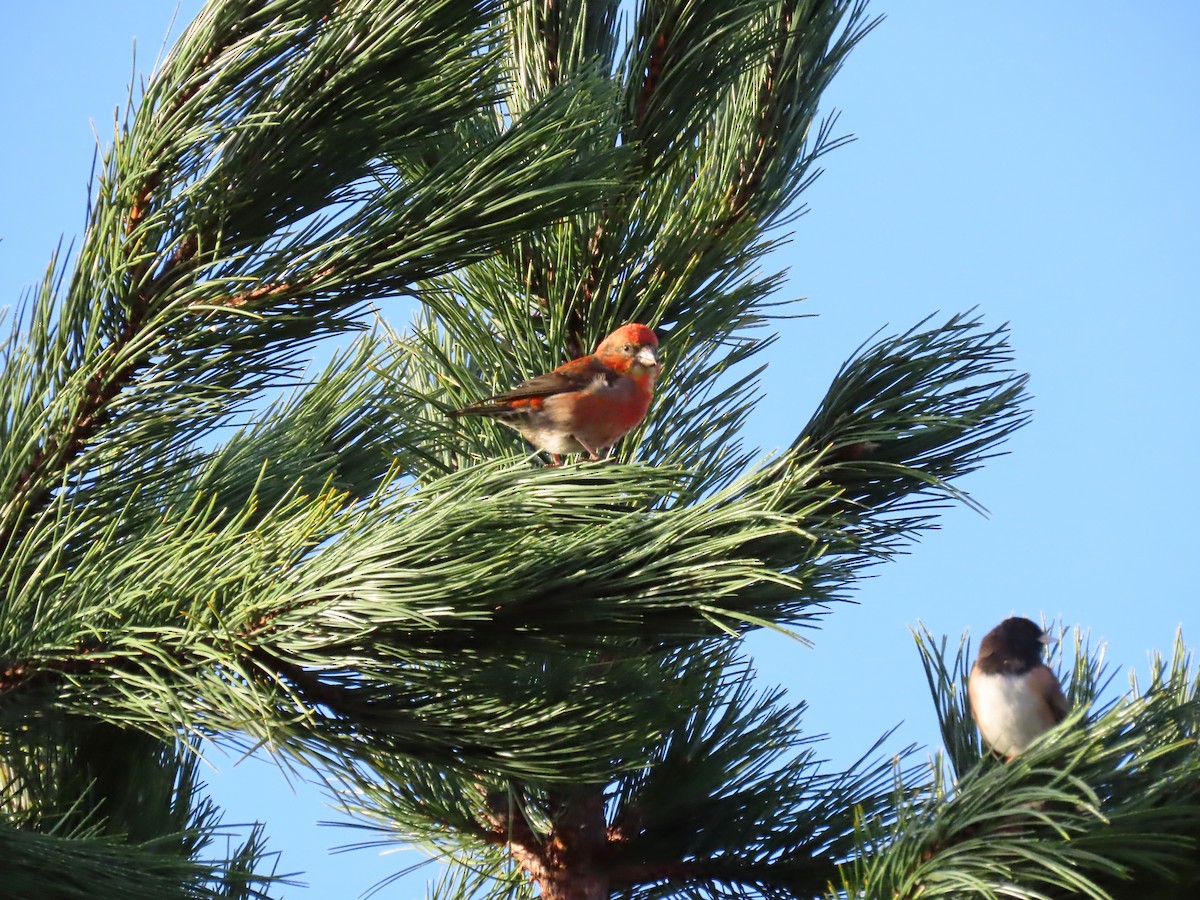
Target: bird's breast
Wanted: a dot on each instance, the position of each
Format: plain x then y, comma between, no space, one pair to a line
604,412
1009,710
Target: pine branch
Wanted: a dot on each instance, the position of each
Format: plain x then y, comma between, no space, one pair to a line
81,868
775,164
196,620
468,642
110,384
1105,804
230,267
948,685
918,410
731,771
92,809
672,246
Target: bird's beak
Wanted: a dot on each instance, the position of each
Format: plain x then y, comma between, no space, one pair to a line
1047,638
648,357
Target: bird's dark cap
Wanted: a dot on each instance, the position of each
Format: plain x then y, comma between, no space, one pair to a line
1015,645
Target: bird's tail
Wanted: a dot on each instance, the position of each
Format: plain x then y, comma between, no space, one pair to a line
494,410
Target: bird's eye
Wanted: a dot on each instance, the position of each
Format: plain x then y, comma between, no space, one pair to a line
628,348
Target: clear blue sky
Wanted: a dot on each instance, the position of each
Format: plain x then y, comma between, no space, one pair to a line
1035,160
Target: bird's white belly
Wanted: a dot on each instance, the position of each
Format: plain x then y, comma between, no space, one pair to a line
1009,713
549,432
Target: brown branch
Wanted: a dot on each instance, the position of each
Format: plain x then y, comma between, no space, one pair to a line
571,863
29,674
23,675
197,79
237,301
550,30
583,858
753,168
105,384
334,697
506,824
594,253
656,64
20,676
91,413
141,202
535,271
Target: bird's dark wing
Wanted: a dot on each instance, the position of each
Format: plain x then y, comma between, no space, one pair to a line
571,376
1045,682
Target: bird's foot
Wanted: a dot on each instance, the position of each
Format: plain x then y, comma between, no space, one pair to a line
593,454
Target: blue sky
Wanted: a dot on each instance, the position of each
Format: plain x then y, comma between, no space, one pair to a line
1037,161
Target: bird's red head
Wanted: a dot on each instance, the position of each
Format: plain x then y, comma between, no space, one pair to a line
632,333
630,347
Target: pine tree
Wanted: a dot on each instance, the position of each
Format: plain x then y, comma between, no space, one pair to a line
534,672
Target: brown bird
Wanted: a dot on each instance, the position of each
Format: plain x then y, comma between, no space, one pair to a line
1015,697
585,405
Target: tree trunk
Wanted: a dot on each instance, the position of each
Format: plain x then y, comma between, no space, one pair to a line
572,862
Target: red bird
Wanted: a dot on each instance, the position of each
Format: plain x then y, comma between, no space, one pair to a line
585,405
